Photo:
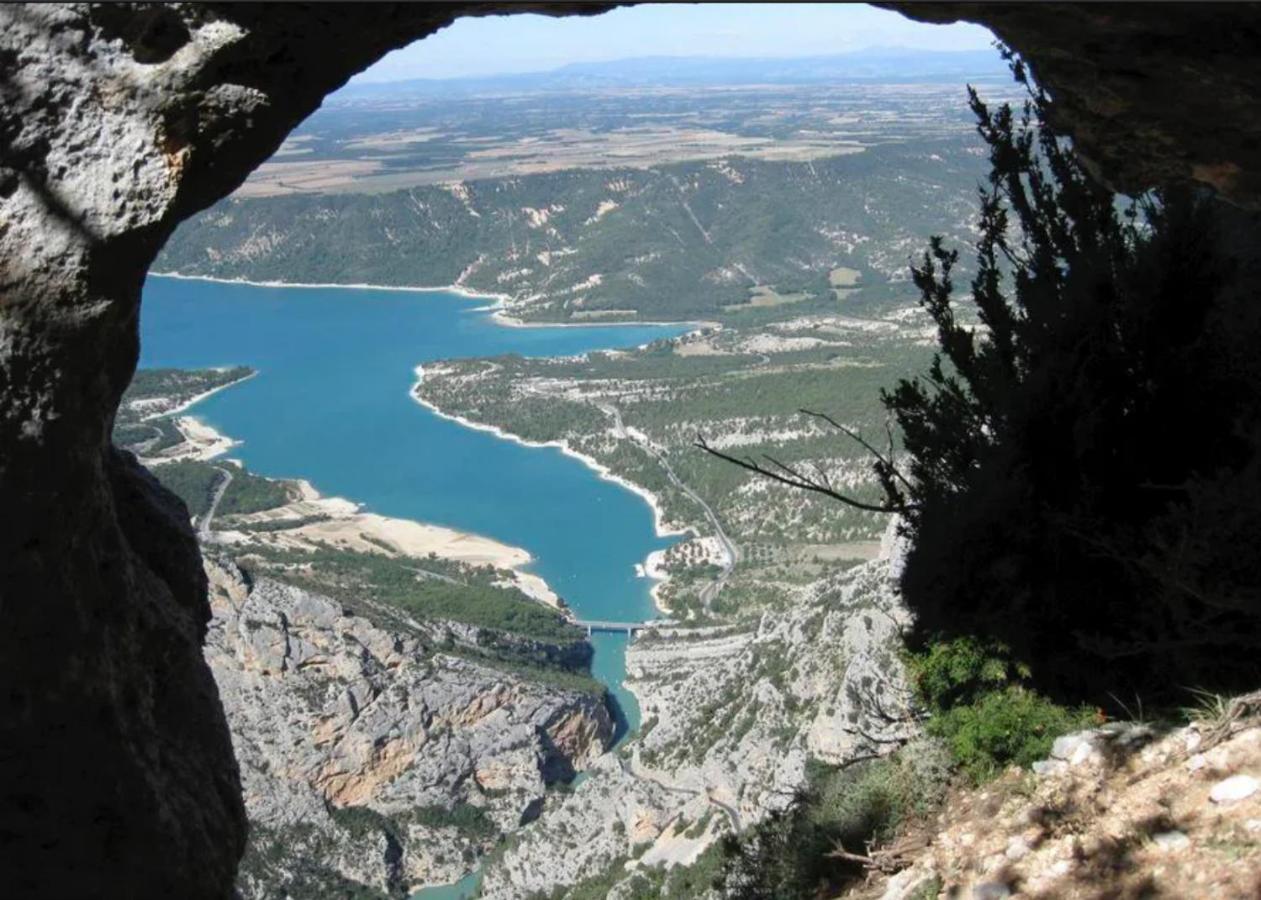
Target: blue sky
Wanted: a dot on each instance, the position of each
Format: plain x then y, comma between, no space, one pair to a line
531,43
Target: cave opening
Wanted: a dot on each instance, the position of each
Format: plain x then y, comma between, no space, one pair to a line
121,777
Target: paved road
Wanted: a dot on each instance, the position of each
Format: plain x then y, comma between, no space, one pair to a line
732,813
140,448
203,524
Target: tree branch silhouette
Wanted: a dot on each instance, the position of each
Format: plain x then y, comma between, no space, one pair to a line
819,482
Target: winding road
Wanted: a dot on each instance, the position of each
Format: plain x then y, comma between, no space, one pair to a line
634,769
732,552
203,524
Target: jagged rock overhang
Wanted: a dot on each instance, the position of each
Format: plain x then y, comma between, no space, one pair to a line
119,121
1152,93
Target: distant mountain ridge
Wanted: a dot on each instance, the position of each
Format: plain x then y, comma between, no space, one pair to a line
682,241
876,64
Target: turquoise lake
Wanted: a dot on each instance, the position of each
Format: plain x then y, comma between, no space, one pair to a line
331,404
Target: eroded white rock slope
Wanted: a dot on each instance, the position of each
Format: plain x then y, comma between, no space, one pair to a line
731,715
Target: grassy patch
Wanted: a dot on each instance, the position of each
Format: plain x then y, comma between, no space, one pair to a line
399,582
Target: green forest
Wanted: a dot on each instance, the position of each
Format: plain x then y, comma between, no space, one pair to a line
682,241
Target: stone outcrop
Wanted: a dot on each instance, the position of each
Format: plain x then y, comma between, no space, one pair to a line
1151,94
1127,810
730,717
343,730
119,120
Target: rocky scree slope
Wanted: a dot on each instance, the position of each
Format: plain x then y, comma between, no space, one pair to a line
1121,811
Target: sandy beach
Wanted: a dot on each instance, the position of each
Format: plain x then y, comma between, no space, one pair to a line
201,442
336,521
365,532
340,522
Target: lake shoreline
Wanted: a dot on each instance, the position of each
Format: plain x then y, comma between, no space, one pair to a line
197,398
409,536
650,567
498,310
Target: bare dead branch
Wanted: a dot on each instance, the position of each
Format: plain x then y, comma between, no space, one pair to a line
793,478
886,459
882,860
842,853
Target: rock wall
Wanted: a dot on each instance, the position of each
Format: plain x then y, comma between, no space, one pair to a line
343,730
119,120
1151,93
731,715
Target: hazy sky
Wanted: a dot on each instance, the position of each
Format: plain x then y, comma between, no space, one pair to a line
528,43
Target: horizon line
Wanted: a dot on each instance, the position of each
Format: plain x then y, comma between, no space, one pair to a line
662,57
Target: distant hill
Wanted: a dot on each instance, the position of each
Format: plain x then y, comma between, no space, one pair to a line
890,65
670,242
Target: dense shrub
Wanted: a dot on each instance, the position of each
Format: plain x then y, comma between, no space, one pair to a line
1009,726
866,802
853,806
980,704
1083,483
961,671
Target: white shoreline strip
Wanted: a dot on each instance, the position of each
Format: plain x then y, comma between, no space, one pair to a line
175,411
658,519
498,310
500,317
215,444
598,467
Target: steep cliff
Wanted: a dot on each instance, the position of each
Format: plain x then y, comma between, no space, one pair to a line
731,716
1151,94
368,756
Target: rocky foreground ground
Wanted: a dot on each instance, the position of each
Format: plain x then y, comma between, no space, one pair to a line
1124,811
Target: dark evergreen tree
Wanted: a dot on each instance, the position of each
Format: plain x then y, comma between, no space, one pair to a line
1083,481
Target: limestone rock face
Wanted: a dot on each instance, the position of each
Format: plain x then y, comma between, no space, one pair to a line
730,716
1150,95
330,713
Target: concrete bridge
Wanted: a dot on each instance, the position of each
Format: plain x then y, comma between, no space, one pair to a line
627,628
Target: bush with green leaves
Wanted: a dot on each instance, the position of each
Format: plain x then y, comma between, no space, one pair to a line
866,802
980,704
851,807
1012,726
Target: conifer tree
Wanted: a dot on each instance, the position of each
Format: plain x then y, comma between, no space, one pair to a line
1083,480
